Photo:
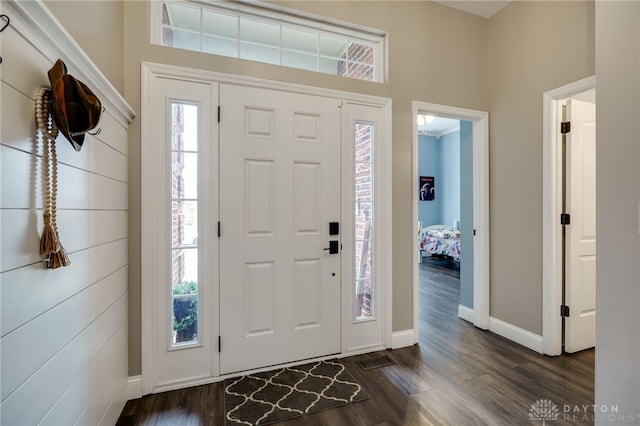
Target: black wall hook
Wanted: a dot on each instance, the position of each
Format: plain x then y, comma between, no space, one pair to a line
4,27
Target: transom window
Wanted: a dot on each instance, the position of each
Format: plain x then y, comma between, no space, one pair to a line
259,32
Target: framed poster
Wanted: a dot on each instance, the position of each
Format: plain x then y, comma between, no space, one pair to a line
427,187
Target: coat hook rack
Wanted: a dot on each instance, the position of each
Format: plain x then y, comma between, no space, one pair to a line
5,17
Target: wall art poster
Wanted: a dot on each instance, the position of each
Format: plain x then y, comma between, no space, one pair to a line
427,188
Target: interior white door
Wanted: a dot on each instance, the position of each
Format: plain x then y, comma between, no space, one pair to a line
279,189
580,240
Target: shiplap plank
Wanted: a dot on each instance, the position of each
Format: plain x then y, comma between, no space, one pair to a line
70,406
51,381
27,292
27,68
96,155
62,351
28,348
79,230
111,389
77,189
28,73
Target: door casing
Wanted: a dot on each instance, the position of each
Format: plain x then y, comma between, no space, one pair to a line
480,120
552,192
150,73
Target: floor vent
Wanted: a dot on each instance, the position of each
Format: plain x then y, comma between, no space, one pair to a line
381,361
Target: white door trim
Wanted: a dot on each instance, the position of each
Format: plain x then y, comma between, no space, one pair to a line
551,210
150,72
481,253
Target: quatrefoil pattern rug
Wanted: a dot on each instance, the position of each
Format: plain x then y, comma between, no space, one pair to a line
273,396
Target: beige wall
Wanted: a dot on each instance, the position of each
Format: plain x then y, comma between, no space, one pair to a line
437,55
97,26
618,191
533,47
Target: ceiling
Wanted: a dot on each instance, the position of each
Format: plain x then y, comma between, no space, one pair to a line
439,127
484,8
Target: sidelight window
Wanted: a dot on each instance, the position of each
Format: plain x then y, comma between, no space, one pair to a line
184,222
364,220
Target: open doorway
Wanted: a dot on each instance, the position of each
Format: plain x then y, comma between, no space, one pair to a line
445,209
476,129
569,234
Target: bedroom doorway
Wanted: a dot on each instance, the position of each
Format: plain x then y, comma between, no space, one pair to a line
459,223
568,264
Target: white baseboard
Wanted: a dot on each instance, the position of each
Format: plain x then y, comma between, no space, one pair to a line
134,387
516,334
402,339
465,313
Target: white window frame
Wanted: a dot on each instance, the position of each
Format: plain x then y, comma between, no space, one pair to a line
273,14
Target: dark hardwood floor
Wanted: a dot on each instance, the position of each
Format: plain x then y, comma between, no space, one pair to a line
457,375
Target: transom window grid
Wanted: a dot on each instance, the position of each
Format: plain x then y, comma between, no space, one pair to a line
303,44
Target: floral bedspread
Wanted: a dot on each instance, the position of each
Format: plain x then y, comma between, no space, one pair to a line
441,241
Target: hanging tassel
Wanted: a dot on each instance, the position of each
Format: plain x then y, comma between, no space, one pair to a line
49,241
59,259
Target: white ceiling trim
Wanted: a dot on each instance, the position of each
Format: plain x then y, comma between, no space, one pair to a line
484,8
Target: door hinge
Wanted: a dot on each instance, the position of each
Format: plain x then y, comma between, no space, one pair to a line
218,113
219,226
219,343
565,219
564,311
565,127
474,232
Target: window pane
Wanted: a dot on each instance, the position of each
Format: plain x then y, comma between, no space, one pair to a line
184,221
364,302
361,72
255,52
245,34
331,66
185,318
184,229
332,46
185,39
364,181
185,174
220,24
181,16
259,32
360,53
303,41
364,220
299,60
220,46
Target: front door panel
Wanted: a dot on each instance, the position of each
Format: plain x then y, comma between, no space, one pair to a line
279,189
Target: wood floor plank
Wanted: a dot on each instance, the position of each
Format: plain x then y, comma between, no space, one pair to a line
457,375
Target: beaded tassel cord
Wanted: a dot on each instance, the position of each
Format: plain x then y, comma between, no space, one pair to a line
50,241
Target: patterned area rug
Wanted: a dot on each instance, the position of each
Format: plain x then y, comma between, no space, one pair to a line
273,396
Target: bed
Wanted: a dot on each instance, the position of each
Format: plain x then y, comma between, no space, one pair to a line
439,240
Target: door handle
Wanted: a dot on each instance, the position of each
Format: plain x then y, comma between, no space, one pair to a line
333,247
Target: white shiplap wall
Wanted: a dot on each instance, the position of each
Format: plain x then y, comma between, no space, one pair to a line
63,332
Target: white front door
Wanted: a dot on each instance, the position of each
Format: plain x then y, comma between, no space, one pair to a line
580,289
279,190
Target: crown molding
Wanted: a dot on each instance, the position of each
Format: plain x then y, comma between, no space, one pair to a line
35,22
